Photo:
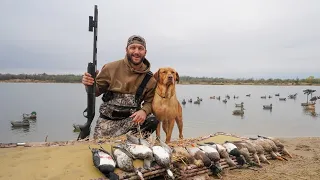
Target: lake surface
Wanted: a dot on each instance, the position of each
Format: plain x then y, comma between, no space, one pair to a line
60,105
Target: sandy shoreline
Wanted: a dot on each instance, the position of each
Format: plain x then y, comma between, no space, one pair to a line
305,163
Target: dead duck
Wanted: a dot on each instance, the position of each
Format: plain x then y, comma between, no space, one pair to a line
267,106
104,162
163,156
124,160
181,151
233,150
245,149
267,147
278,144
212,154
260,151
140,152
197,153
135,140
223,153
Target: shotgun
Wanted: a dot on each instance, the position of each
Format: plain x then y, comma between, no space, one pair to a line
91,69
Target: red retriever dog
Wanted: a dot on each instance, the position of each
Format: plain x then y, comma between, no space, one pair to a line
166,106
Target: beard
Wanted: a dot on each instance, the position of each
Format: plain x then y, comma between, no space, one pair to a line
129,57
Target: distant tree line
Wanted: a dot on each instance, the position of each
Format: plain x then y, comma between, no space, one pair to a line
72,78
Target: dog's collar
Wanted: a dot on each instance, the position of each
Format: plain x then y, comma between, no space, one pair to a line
164,97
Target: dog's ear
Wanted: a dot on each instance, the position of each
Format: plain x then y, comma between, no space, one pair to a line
178,78
156,75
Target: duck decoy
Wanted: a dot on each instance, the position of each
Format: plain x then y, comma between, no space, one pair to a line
267,106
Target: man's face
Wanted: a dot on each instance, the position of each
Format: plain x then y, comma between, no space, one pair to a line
136,53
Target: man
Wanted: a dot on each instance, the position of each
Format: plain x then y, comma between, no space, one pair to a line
122,110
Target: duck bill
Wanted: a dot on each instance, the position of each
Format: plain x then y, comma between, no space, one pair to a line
287,153
140,174
280,158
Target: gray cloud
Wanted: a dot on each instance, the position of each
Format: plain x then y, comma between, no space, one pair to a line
208,38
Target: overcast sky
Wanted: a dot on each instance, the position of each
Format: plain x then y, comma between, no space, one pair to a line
232,39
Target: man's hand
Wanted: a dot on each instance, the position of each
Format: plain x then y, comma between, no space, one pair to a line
139,117
87,80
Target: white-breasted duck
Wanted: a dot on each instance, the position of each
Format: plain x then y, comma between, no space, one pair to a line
104,162
233,150
124,160
197,153
141,152
163,156
223,153
212,153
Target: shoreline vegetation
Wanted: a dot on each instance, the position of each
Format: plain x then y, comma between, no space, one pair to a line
184,80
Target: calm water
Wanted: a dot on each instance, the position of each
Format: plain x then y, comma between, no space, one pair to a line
60,105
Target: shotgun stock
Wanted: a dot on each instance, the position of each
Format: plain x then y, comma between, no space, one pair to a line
91,69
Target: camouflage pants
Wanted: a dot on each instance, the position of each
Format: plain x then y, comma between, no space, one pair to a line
109,128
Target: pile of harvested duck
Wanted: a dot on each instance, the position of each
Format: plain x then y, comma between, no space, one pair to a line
195,157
